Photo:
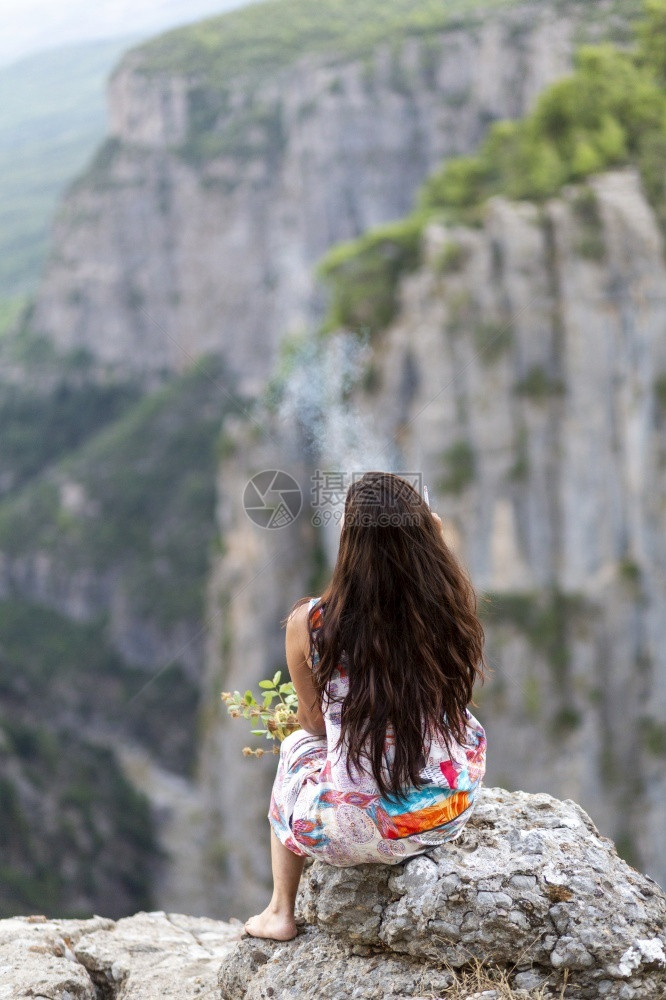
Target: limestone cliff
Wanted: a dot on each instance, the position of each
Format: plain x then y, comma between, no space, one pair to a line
198,223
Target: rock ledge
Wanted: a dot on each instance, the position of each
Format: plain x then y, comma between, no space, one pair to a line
147,956
531,889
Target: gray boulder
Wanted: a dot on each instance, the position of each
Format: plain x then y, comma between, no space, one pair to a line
530,892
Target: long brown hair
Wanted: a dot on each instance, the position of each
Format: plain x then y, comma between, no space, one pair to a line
400,612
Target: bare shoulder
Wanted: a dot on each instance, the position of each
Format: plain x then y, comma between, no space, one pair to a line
297,624
297,631
299,616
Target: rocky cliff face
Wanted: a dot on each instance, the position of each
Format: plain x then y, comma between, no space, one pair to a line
197,226
523,377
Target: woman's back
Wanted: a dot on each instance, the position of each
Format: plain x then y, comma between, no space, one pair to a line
332,810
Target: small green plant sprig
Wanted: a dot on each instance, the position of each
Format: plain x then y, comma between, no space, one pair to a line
279,720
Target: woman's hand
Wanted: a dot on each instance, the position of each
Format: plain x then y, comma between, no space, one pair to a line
437,519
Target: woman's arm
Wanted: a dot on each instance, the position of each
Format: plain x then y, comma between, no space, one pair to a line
297,647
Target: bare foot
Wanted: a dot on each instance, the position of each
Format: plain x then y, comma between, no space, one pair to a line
271,925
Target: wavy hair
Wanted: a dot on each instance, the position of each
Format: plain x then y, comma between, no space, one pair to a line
400,613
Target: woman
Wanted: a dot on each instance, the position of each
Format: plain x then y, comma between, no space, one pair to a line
389,760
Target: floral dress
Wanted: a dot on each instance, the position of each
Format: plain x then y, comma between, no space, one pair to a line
317,810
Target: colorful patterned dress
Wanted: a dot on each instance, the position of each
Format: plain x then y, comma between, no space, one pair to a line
316,810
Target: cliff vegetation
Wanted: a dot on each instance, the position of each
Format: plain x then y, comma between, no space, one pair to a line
611,111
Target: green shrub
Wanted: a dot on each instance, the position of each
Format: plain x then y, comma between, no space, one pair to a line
631,575
363,275
585,208
538,385
565,720
651,158
371,380
519,471
599,116
254,43
459,307
459,468
543,617
532,697
459,185
660,392
451,259
492,340
256,131
629,570
653,736
651,35
584,123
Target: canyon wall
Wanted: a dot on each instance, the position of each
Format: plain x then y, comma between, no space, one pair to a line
197,226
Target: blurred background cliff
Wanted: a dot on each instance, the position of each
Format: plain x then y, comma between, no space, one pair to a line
319,235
